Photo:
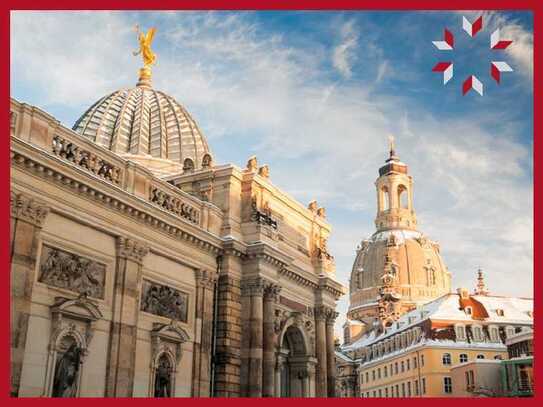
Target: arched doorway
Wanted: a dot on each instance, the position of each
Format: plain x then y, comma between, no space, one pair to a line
294,365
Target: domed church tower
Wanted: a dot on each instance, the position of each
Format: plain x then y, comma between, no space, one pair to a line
398,267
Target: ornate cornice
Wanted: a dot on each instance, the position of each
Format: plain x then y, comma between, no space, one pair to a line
26,208
205,278
267,253
110,200
131,249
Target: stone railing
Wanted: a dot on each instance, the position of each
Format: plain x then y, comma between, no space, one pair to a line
172,201
85,158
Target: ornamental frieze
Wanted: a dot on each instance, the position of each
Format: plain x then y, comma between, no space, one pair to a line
164,301
28,209
63,269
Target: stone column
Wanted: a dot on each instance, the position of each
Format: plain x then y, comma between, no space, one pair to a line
205,290
125,310
320,350
252,337
331,316
271,297
27,219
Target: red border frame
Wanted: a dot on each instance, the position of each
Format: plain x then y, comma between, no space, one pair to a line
5,8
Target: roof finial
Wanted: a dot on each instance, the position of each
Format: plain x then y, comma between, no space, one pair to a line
391,145
481,288
147,54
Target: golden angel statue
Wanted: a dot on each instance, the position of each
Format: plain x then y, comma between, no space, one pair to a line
145,40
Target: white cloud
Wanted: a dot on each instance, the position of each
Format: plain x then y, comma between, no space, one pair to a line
322,139
344,54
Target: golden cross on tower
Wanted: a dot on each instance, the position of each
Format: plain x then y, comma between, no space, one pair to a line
147,54
391,145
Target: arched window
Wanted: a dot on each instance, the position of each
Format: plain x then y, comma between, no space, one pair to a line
446,359
498,357
385,196
480,356
403,197
188,165
206,161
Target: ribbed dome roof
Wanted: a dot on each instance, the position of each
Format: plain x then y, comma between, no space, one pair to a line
421,272
145,122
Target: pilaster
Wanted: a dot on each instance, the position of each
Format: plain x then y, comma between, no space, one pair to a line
125,311
27,218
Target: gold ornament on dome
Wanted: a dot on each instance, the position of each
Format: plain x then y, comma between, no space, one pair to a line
149,57
145,41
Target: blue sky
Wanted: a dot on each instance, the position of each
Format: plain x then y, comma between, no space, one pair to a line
315,95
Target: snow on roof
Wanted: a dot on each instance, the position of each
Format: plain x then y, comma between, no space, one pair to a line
515,310
344,357
400,234
447,307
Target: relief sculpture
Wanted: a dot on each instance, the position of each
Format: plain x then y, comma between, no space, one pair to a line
164,301
67,270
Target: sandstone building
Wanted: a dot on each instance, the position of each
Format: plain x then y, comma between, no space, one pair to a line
141,267
406,334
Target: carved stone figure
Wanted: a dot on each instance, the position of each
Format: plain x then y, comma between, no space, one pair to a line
164,301
163,378
264,171
66,372
252,164
62,269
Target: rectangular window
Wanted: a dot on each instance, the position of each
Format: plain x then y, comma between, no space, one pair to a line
374,393
416,387
385,371
386,391
396,368
373,375
397,391
391,372
379,373
408,364
421,360
380,393
423,384
362,379
367,377
447,385
408,389
403,389
403,366
414,363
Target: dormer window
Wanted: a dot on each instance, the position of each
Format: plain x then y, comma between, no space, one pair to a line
460,332
468,310
509,331
494,333
477,333
499,312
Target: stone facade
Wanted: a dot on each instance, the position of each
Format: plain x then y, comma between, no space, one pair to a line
137,275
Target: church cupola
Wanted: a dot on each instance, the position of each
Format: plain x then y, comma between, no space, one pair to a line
394,195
